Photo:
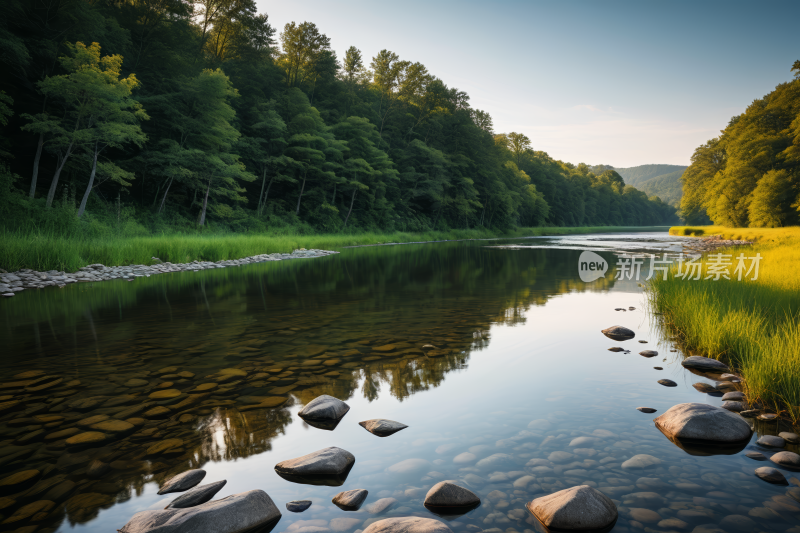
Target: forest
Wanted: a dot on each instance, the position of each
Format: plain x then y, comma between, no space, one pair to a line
134,117
749,176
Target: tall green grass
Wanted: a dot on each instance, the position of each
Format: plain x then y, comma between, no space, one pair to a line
753,325
43,251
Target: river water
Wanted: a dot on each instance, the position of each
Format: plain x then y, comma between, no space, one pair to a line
520,397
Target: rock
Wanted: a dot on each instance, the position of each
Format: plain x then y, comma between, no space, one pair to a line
738,522
646,409
648,516
446,494
87,422
410,524
771,441
157,412
618,333
750,413
350,500
165,394
673,523
33,511
616,349
166,446
788,460
574,509
113,426
667,383
86,439
704,387
196,496
648,353
638,462
791,438
704,364
736,396
234,514
771,475
768,417
97,469
183,481
734,407
756,456
82,507
382,427
409,466
704,423
328,466
136,382
381,505
19,481
298,506
323,412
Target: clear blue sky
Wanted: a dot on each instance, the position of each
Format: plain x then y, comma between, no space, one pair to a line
622,83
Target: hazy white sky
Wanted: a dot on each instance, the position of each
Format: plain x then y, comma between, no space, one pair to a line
615,82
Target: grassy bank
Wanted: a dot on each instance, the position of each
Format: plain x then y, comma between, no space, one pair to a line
752,325
40,251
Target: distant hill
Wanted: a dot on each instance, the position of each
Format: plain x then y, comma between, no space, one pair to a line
663,181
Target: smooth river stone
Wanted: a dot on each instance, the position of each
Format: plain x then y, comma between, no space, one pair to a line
203,387
735,396
350,500
88,438
165,394
113,426
166,446
328,466
324,408
183,481
771,441
703,422
382,427
234,514
298,506
197,495
667,383
87,422
616,349
575,509
648,353
788,460
771,475
646,409
704,387
756,456
618,333
448,494
136,382
638,462
381,505
411,524
735,407
791,438
704,364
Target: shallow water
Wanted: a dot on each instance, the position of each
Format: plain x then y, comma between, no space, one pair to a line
520,397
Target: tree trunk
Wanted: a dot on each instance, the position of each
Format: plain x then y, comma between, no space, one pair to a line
52,192
353,199
164,198
82,208
205,205
36,164
297,211
333,199
266,195
261,195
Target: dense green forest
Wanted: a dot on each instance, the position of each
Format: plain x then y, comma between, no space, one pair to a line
129,117
663,181
750,175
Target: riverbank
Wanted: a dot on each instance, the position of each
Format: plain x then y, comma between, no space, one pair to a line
753,325
44,252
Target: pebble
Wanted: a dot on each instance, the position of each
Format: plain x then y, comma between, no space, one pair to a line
350,500
641,461
298,506
648,353
791,438
756,456
785,459
646,409
771,475
771,441
767,416
667,383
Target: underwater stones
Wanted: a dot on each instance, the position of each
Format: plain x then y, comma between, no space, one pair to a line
350,500
86,439
704,423
234,514
771,441
62,434
381,505
87,422
646,409
409,467
183,481
136,382
705,364
19,481
204,387
756,456
411,524
324,412
298,506
785,459
641,461
771,475
447,494
113,426
34,512
166,447
648,353
165,394
382,427
196,495
618,333
82,506
667,383
496,460
328,466
575,509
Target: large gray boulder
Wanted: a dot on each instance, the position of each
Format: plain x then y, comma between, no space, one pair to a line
704,364
328,466
618,333
382,427
448,494
575,509
324,412
235,514
700,422
183,481
410,524
197,495
350,500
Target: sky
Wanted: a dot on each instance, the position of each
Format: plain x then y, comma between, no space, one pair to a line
620,83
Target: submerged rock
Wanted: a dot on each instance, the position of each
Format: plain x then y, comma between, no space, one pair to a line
618,333
448,494
788,460
350,500
235,514
703,422
328,466
575,509
410,524
197,495
756,456
381,505
382,427
771,475
183,481
641,461
705,364
298,506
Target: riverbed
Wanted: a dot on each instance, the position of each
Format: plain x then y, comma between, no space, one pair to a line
519,396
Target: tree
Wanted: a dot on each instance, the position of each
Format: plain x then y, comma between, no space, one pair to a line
303,46
772,199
